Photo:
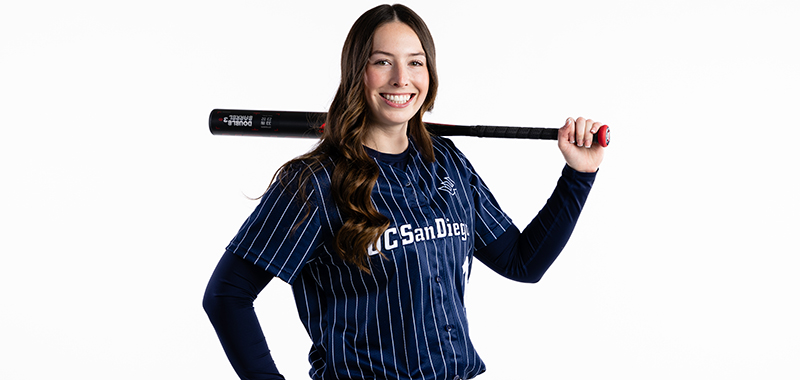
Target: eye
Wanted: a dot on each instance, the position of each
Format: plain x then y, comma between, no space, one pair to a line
417,63
382,62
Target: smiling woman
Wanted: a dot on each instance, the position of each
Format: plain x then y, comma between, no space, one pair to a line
376,228
396,84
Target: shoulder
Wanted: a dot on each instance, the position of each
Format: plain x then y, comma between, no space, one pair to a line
443,142
443,146
447,153
308,178
306,170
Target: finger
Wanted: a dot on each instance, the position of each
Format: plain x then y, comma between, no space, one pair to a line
589,133
587,137
596,127
569,130
580,130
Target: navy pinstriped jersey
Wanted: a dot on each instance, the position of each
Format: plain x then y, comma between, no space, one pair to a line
406,319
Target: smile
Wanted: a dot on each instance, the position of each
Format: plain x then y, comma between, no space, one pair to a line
398,99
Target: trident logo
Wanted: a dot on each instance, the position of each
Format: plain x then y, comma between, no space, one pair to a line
448,186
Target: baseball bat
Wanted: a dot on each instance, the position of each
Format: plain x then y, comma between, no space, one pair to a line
311,124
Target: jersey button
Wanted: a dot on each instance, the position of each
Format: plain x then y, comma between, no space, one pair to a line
438,279
457,377
448,328
407,184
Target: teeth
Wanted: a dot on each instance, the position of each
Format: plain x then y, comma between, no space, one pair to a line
399,99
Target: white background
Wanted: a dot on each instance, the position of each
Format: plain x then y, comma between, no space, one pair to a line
117,202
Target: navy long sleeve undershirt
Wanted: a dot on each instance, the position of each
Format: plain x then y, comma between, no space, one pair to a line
520,256
527,255
228,301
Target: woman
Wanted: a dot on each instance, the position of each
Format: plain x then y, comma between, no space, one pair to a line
375,229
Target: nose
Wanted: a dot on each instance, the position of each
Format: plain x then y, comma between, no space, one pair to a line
399,76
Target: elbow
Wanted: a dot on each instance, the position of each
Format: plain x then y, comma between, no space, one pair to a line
529,278
533,280
214,303
210,303
524,275
220,302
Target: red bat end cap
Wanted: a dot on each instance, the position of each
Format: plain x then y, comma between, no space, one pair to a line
604,136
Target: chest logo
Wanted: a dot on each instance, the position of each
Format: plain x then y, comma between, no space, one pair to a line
448,186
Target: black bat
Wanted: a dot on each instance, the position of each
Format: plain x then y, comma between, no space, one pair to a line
311,125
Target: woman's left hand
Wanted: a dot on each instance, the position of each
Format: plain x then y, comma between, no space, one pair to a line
575,142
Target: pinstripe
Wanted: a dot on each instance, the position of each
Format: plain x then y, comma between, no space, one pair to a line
307,323
405,257
307,251
450,212
273,231
422,281
462,322
483,193
444,310
462,203
385,324
390,329
430,270
408,274
378,318
356,299
479,190
436,254
334,321
258,214
366,336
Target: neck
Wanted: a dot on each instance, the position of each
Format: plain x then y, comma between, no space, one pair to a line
392,140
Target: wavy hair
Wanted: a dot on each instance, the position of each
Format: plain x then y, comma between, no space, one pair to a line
342,143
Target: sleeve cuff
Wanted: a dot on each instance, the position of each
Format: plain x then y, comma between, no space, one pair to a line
569,172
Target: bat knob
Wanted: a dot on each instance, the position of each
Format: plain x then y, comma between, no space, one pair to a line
604,136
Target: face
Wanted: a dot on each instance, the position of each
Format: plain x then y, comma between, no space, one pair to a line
396,79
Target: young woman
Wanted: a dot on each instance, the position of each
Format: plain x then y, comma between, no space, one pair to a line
376,228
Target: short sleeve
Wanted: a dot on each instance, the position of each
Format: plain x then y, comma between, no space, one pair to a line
490,220
283,231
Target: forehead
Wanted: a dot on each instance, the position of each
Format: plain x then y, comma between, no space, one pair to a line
396,38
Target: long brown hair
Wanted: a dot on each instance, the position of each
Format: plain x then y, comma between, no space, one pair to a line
354,172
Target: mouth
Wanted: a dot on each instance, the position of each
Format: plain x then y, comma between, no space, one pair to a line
398,99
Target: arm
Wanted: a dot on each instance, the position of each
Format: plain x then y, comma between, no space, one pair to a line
526,256
228,301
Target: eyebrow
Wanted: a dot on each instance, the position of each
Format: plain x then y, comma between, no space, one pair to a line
392,55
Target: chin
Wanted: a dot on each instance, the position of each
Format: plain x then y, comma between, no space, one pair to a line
384,119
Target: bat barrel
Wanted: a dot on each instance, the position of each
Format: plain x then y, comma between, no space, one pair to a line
265,123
